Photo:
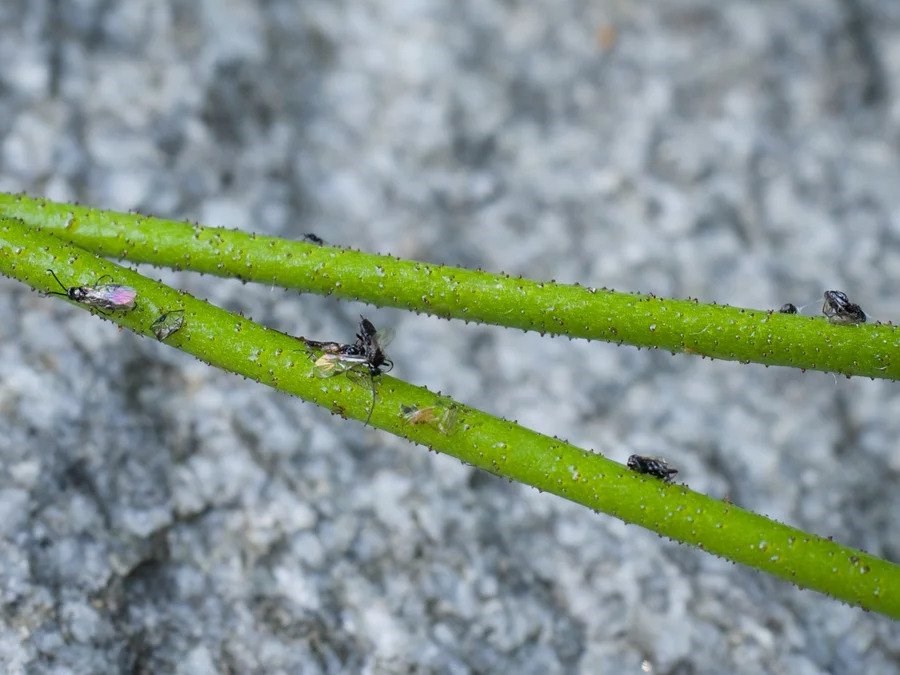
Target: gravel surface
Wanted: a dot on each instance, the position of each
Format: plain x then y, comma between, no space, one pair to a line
159,516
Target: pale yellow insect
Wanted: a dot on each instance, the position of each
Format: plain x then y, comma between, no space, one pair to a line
441,416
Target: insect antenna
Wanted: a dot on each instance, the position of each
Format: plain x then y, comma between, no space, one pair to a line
65,294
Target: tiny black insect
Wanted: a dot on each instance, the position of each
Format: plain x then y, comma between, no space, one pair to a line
368,351
101,296
314,239
840,310
652,466
788,308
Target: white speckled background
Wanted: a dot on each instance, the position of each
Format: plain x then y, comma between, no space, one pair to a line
158,516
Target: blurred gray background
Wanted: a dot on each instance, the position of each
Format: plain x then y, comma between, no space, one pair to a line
159,516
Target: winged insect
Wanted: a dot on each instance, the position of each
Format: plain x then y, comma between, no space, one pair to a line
840,310
314,239
652,466
439,415
167,324
366,354
112,297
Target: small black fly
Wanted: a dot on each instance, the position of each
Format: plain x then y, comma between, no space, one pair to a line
652,466
368,351
788,308
101,296
840,310
314,239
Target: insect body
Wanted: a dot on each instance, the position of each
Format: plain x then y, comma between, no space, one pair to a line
314,239
840,310
414,415
441,416
788,308
652,466
368,351
102,296
168,323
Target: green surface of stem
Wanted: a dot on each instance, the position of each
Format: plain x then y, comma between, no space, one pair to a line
715,331
234,343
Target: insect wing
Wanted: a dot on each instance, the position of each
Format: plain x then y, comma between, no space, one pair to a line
167,324
447,422
440,416
415,415
109,296
384,337
368,334
332,364
326,365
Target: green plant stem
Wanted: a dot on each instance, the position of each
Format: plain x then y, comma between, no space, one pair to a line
234,343
688,326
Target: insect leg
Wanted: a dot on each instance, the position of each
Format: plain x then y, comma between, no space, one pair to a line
372,407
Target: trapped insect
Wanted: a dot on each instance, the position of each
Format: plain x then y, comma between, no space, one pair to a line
102,296
167,324
840,310
652,466
441,416
314,239
368,351
791,308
